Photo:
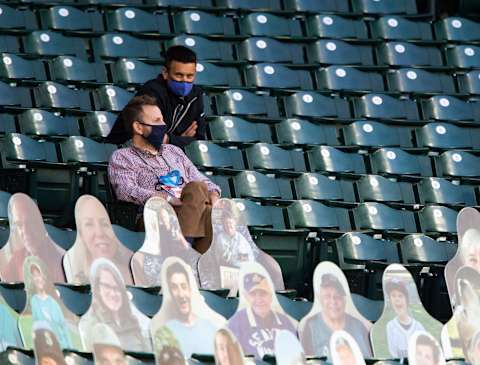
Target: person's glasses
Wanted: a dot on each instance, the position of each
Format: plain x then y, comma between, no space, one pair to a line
113,288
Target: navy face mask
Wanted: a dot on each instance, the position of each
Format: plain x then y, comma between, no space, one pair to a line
155,138
180,88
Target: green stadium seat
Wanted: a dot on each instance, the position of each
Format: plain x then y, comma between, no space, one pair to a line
19,19
397,162
242,102
225,306
74,69
417,81
314,186
83,150
9,43
270,75
97,125
269,25
211,76
445,107
14,67
442,191
41,123
120,45
69,18
206,49
377,188
111,2
14,296
463,56
408,7
7,123
268,157
469,83
338,78
338,52
4,198
337,27
332,160
249,4
252,184
441,136
458,164
130,239
385,107
296,309
421,249
303,132
11,96
366,133
392,27
408,54
43,43
127,71
182,3
262,49
57,96
65,238
314,6
380,217
438,219
208,155
371,310
237,130
457,29
76,298
134,20
111,98
312,105
202,23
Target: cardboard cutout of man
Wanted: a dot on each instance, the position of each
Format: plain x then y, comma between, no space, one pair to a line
107,349
167,348
345,350
423,349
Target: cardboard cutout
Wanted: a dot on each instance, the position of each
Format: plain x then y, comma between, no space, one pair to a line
167,348
111,305
403,315
107,348
44,304
9,334
184,311
344,349
468,252
163,238
231,246
474,349
288,350
95,239
227,349
332,307
28,237
46,348
423,349
259,316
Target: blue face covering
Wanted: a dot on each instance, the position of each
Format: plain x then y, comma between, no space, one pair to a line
180,88
155,138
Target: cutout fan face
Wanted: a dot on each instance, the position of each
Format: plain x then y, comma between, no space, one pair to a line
344,349
423,349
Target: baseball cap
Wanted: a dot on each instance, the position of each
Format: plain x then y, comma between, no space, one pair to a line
254,281
331,281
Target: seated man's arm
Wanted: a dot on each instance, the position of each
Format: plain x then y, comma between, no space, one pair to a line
196,130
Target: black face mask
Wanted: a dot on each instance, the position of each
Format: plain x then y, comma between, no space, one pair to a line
155,138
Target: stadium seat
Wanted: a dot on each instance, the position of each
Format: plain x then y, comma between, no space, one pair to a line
224,182
69,18
111,98
65,238
385,107
111,2
457,29
41,123
249,4
458,164
377,188
371,309
97,125
314,6
211,76
134,20
130,239
119,45
7,123
44,43
225,306
366,133
270,75
304,104
181,3
332,160
83,150
9,43
297,309
445,107
407,54
13,67
252,184
338,52
202,23
19,19
73,69
392,27
262,49
469,83
396,162
442,191
237,130
421,249
57,96
303,132
336,27
208,155
408,7
438,219
463,56
417,81
4,198
347,78
242,102
315,186
442,136
380,217
269,25
11,96
268,157
205,49
127,71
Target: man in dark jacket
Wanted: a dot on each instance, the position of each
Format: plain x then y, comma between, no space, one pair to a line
180,101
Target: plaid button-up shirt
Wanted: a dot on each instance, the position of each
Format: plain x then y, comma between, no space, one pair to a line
133,173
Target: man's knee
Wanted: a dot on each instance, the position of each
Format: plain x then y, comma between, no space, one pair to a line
196,186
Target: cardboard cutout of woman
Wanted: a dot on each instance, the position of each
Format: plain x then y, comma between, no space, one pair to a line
163,238
45,305
403,315
288,350
231,246
184,311
332,310
95,239
259,316
28,237
344,349
423,349
111,305
46,348
107,349
9,333
227,349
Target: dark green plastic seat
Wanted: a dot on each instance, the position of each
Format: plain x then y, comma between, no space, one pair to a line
446,107
337,27
224,306
463,56
15,96
393,27
13,67
44,43
9,43
249,4
147,301
237,130
54,95
371,310
242,102
396,162
210,75
438,135
7,123
119,45
134,20
442,191
314,186
84,150
332,160
457,163
457,29
269,25
4,198
130,239
270,75
111,98
41,123
69,18
74,69
128,71
421,249
76,299
206,49
380,217
380,189
202,23
182,3
263,49
264,156
209,155
385,7
97,125
65,238
338,52
417,81
252,184
399,53
382,106
339,78
223,181
303,132
297,309
305,104
314,6
366,133
469,82
20,19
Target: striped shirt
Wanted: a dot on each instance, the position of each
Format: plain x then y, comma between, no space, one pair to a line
133,173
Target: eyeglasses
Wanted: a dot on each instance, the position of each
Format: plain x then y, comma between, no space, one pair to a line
113,288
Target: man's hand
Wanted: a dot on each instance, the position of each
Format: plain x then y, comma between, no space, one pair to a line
175,202
191,130
213,197
166,139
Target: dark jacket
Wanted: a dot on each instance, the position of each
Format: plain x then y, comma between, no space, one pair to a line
178,113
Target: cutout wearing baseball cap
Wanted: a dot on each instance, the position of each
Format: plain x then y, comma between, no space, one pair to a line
256,281
331,281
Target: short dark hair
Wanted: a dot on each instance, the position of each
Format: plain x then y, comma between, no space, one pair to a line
177,268
180,54
134,110
424,340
